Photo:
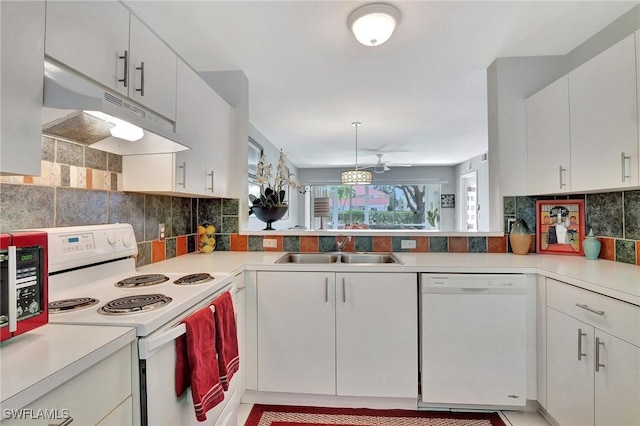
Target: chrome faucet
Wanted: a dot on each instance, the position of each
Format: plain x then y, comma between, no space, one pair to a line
341,240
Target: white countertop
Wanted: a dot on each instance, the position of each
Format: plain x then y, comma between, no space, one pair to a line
614,279
35,363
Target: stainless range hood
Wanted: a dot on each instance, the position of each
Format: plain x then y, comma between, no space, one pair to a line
68,94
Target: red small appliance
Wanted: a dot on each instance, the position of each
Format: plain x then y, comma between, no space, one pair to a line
23,282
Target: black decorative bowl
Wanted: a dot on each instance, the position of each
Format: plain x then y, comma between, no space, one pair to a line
269,215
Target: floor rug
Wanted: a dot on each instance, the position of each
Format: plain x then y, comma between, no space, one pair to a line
286,415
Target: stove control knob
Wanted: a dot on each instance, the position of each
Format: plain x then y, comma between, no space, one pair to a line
126,241
111,238
34,307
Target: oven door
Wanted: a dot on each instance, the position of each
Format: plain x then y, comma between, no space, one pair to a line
159,404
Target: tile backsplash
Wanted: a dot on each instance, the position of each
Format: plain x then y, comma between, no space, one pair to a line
79,185
83,186
613,216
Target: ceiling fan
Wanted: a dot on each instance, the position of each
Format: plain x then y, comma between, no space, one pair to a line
383,166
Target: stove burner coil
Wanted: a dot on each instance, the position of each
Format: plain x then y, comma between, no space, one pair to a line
194,279
134,304
68,305
142,280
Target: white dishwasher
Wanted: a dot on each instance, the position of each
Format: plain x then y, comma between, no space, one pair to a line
473,340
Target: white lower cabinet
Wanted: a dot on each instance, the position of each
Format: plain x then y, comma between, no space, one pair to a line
100,395
331,333
593,376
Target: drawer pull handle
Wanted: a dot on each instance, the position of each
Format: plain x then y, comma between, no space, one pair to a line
589,309
344,291
580,354
125,76
598,344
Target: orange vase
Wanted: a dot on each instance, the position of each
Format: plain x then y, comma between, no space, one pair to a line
520,237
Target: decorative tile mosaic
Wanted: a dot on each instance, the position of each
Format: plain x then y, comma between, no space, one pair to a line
255,243
626,251
170,244
17,207
48,149
144,254
230,207
80,207
222,242
605,215
291,243
157,210
458,245
69,153
95,159
364,243
632,215
114,163
128,208
438,244
477,244
327,244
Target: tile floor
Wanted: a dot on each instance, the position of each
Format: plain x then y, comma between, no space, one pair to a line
512,418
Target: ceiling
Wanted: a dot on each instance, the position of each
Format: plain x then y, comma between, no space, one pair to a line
421,97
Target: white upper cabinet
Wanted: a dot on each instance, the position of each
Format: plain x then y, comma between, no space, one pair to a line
604,120
204,124
22,86
549,139
152,71
92,38
104,42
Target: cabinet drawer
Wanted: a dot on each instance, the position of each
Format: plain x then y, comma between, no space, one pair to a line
613,316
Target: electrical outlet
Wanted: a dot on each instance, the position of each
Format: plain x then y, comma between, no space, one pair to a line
161,233
408,244
269,243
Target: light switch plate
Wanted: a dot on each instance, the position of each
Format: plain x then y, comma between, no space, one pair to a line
408,244
269,243
161,233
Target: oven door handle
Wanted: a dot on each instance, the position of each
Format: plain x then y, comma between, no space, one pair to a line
148,346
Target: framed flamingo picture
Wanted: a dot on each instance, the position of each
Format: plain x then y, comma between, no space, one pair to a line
560,227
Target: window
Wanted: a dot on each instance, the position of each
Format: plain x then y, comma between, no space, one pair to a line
469,190
394,206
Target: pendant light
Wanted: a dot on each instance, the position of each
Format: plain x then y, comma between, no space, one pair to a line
355,176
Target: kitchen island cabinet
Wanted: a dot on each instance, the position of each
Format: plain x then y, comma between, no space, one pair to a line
21,86
349,334
593,358
106,43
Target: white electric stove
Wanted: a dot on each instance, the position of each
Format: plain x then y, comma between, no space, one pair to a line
94,266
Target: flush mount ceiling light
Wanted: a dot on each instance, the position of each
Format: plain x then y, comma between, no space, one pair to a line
355,176
373,24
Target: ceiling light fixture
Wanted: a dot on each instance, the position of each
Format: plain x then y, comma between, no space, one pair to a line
355,176
373,24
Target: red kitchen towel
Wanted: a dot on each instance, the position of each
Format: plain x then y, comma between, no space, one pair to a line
196,363
226,338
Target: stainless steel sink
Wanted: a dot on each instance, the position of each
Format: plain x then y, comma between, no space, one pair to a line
309,258
369,258
350,258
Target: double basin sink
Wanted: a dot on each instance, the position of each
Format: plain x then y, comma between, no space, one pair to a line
339,257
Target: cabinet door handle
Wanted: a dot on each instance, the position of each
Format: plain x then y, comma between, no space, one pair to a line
580,354
211,174
141,69
125,74
561,175
65,422
598,344
344,291
326,289
589,309
184,175
623,158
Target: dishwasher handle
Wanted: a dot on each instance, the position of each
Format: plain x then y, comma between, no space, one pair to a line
473,290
